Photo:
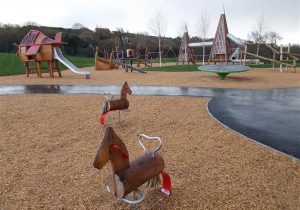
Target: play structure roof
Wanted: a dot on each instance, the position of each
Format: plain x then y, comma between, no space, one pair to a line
221,43
34,37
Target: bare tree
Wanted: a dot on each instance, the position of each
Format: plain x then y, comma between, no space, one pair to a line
30,23
120,29
273,37
259,34
78,26
202,26
158,26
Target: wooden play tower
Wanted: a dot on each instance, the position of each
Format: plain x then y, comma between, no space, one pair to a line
221,48
185,54
35,48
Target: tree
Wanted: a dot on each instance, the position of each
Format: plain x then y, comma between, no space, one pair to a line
203,25
120,29
30,23
77,26
273,37
259,34
158,26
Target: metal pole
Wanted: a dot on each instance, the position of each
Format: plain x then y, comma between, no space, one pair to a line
280,58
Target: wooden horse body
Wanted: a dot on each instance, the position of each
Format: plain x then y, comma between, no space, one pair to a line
127,177
111,104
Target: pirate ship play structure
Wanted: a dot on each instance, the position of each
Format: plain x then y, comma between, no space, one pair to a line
36,48
120,55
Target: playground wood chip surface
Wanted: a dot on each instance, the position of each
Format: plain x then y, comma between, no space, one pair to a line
48,144
253,79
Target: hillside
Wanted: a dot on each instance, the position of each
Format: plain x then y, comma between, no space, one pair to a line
79,41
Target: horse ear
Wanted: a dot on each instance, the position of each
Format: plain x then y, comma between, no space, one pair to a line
127,87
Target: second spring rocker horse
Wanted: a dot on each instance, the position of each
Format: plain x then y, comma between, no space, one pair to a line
127,176
110,104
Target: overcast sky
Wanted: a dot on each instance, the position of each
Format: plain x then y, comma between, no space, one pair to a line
281,16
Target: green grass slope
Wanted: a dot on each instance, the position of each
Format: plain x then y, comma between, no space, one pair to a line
10,64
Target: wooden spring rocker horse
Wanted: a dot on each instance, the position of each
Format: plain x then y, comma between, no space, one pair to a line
127,177
117,104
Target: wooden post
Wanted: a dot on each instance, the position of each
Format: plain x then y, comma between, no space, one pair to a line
203,54
273,60
138,62
245,55
51,68
26,68
257,49
287,56
57,67
38,69
280,58
96,55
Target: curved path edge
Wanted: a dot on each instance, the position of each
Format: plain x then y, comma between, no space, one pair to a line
284,144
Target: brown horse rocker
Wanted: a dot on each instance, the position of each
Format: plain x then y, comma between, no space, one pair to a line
117,104
127,176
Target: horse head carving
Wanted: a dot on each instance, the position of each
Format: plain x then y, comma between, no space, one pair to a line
125,90
112,148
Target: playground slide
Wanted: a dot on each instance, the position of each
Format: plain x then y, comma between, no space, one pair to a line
235,54
59,56
200,44
236,40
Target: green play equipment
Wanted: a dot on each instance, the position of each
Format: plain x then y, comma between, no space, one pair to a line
223,70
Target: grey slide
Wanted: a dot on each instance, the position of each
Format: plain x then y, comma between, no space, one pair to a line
59,56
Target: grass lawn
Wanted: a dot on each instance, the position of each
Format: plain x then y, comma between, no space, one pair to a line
156,60
191,67
10,64
269,65
174,68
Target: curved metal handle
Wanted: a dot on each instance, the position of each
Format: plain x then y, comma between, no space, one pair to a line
150,138
108,96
